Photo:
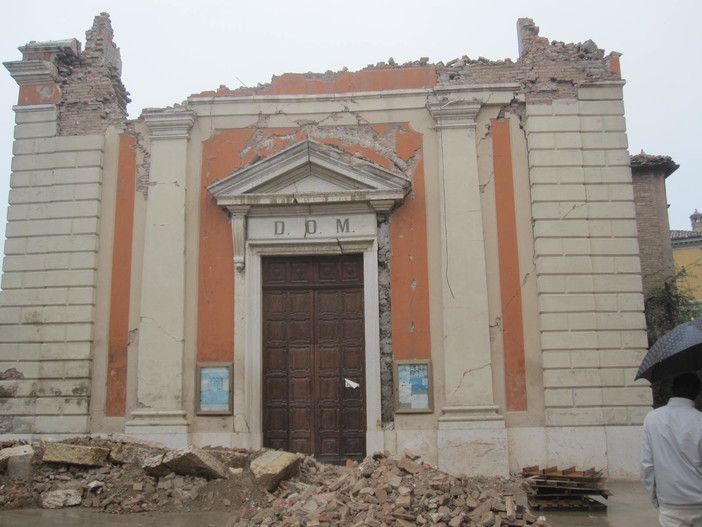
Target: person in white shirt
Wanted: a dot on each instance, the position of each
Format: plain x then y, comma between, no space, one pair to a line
671,456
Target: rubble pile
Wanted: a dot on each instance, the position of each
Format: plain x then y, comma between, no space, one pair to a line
392,490
124,475
268,488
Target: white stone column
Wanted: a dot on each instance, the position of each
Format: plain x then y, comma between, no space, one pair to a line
471,433
160,414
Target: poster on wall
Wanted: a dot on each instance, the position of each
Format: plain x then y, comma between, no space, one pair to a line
214,388
413,389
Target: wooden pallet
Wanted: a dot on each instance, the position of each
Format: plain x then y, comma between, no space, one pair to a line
552,488
581,503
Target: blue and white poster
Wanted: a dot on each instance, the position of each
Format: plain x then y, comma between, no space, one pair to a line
215,389
413,387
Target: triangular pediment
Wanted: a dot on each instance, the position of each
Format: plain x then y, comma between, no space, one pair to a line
310,172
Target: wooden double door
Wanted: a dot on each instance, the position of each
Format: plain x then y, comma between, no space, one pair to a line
313,356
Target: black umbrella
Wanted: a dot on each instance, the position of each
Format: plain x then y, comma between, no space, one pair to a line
678,351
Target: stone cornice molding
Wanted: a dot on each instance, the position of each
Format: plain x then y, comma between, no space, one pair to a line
454,114
602,83
169,124
34,108
68,47
681,243
28,72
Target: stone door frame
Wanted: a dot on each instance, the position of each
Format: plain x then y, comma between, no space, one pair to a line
308,181
250,336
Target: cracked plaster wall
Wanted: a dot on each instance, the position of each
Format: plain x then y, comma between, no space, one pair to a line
363,141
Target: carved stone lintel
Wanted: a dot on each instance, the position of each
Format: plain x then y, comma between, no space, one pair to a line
454,114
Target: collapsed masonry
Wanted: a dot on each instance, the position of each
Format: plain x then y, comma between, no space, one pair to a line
124,475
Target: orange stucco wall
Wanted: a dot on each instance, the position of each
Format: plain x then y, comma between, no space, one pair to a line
409,270
39,94
215,316
230,150
118,338
343,82
510,283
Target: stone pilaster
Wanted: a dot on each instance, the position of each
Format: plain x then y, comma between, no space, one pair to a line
161,413
470,427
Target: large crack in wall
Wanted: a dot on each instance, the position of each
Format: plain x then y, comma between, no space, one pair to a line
385,322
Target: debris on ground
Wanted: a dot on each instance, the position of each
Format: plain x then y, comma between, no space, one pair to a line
392,490
127,475
266,488
566,489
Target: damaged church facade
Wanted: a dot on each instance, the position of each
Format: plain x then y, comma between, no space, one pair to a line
440,257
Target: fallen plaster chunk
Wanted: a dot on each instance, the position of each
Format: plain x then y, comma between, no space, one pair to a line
137,441
90,456
7,454
57,499
193,461
153,466
274,466
123,454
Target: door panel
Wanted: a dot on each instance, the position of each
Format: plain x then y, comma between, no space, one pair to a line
313,341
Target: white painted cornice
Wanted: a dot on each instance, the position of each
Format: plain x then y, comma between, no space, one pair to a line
169,124
459,113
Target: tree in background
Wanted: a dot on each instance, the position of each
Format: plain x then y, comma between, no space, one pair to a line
665,307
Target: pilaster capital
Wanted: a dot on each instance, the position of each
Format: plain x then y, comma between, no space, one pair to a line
169,124
454,114
27,72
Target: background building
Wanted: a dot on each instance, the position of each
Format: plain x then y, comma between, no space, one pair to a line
687,253
441,257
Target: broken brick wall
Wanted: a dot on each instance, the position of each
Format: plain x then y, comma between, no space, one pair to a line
93,96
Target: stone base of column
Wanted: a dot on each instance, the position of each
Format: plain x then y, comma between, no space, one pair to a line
472,440
167,426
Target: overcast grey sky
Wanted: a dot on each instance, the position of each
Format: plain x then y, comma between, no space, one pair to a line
172,48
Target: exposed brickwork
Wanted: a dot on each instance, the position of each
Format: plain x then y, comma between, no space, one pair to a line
648,175
545,71
93,96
